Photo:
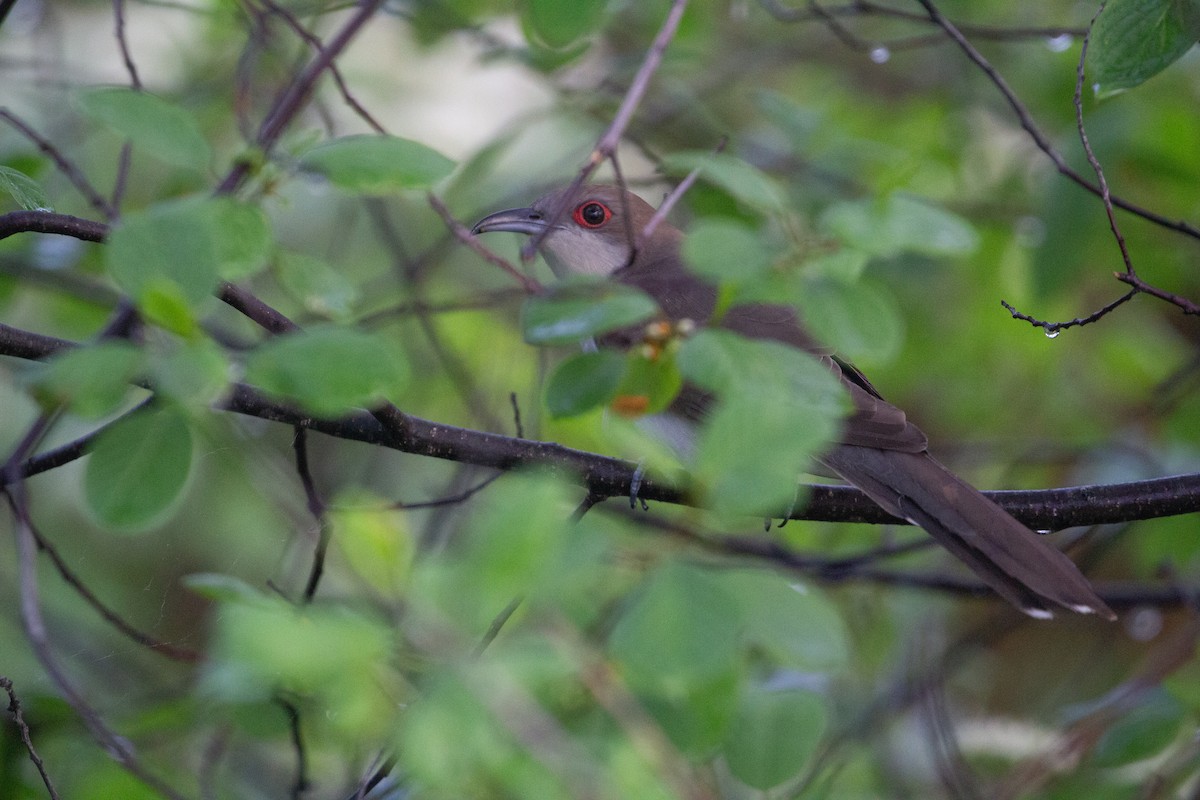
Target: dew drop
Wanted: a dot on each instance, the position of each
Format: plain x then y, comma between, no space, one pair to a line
1052,334
1144,624
880,55
1058,44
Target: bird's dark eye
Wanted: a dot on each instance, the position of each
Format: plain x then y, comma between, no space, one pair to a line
592,214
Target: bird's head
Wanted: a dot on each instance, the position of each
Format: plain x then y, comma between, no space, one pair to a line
591,231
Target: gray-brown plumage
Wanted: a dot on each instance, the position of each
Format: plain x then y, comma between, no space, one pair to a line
881,451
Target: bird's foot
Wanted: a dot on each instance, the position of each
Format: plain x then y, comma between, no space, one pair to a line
635,486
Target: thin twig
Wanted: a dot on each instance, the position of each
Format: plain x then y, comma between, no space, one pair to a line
154,644
464,235
66,166
862,8
606,146
302,783
316,507
497,625
288,103
1105,193
1134,280
518,428
334,72
14,708
675,195
1040,139
1052,328
123,44
452,500
35,626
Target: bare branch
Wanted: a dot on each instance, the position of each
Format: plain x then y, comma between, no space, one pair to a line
123,44
1040,139
1045,509
1053,328
14,708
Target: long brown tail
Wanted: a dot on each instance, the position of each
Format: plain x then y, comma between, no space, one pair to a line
1017,563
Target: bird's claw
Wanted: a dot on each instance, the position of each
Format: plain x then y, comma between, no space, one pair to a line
635,486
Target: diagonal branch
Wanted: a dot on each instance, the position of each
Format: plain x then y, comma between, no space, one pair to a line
1040,139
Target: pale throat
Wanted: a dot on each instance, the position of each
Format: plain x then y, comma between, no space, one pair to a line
571,251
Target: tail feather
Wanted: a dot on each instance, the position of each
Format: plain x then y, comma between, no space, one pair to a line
1019,565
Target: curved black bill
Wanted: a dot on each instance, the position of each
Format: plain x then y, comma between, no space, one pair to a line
515,220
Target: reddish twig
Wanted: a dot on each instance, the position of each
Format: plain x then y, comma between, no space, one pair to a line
463,234
334,72
288,103
123,44
606,146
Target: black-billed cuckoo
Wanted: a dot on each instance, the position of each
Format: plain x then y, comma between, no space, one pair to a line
593,232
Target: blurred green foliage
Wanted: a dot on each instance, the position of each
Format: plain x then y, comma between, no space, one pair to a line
493,647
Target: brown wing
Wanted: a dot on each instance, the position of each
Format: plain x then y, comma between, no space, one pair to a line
874,421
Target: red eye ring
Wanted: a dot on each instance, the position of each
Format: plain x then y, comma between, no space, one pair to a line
591,214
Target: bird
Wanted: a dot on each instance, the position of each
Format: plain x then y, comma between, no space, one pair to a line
597,230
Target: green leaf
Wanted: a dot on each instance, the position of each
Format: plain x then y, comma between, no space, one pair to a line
25,190
859,321
557,24
163,303
137,471
773,735
162,129
513,549
225,588
173,242
725,251
900,224
93,380
377,165
744,182
794,623
583,382
1143,733
573,312
680,633
335,659
776,407
696,717
650,384
243,240
1134,40
375,540
195,374
328,371
322,289
454,743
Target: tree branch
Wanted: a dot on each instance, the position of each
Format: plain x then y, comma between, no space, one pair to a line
604,476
